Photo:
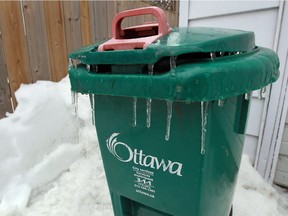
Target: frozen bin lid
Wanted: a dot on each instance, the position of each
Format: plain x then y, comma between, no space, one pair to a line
179,41
189,64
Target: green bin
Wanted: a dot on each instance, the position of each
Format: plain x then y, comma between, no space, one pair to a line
170,115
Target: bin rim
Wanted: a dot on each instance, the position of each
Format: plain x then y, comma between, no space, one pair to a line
201,81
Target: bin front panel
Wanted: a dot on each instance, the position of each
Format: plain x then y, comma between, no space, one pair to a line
170,176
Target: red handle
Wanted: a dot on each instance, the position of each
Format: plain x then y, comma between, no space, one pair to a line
163,26
119,42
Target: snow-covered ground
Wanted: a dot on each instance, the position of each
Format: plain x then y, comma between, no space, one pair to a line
45,170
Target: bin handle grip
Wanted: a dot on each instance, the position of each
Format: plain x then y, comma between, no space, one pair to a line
119,43
164,27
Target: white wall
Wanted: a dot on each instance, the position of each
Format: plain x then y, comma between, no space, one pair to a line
281,175
258,16
273,129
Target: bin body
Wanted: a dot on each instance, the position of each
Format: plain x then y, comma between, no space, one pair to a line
170,117
158,177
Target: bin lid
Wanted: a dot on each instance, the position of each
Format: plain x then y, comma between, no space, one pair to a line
189,64
179,41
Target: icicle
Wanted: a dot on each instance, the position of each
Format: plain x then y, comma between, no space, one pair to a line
92,103
149,100
169,117
204,117
70,64
134,112
148,112
150,69
74,100
76,106
173,64
248,96
92,68
221,103
74,96
88,67
188,101
260,97
261,93
73,63
213,56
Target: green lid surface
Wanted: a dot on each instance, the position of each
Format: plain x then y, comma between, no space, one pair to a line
242,69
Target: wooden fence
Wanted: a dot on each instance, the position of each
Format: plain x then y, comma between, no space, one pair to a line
36,37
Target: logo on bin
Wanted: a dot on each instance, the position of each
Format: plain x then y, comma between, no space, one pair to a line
138,157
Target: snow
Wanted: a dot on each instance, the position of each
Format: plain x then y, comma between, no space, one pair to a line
254,196
45,170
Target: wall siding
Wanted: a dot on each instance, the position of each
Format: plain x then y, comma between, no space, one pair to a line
14,45
259,18
36,36
281,174
5,103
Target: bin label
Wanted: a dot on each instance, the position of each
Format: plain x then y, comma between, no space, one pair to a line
144,182
139,158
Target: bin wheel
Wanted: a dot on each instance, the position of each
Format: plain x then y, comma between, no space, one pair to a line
231,211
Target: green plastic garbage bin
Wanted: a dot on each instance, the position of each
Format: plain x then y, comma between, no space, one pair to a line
170,112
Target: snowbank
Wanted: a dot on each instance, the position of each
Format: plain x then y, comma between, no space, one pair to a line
38,141
45,171
254,196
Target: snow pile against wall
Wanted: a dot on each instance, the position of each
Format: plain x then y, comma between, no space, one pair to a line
38,141
44,172
254,196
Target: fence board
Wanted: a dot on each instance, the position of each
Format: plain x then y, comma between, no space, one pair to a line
56,39
53,29
145,18
72,25
14,43
93,17
100,24
37,40
5,103
174,17
111,12
122,6
86,22
118,6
